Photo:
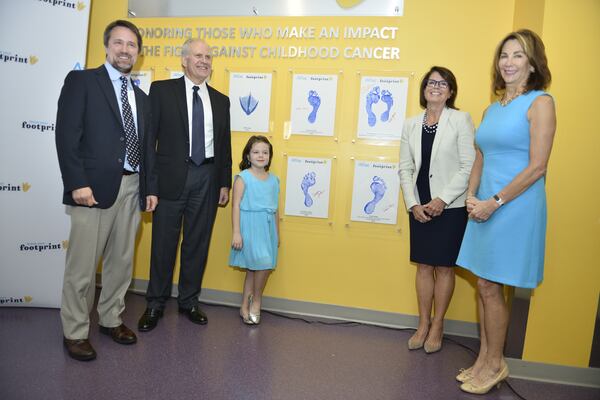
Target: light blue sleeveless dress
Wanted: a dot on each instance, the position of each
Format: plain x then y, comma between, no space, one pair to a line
257,223
509,247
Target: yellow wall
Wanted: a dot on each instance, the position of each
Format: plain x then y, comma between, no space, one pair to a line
529,14
563,308
367,266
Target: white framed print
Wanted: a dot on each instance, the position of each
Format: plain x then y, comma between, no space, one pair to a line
381,107
375,192
142,79
308,187
313,108
250,96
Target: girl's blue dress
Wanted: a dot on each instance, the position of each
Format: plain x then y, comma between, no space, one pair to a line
257,223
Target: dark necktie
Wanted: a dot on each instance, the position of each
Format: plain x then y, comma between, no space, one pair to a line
132,144
197,128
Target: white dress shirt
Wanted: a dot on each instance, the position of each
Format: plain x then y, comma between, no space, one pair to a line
115,77
209,150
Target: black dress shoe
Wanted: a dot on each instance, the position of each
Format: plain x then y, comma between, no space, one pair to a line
120,334
80,349
195,314
149,319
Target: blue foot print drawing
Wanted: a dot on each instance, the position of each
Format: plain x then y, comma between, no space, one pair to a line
248,103
308,181
386,97
372,98
378,188
315,101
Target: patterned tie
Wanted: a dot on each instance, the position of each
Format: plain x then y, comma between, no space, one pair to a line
197,128
132,143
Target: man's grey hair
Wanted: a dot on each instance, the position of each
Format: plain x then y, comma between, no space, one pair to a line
185,49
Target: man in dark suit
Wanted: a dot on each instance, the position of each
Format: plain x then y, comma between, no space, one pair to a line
101,140
191,132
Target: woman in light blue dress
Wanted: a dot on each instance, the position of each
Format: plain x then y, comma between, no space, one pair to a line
505,237
255,221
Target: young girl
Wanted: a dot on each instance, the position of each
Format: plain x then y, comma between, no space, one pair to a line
255,224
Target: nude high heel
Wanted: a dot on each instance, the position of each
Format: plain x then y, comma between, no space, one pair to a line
432,348
466,374
470,387
415,344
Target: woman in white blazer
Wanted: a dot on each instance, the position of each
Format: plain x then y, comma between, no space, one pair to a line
436,155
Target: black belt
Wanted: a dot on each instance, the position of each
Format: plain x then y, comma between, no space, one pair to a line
127,173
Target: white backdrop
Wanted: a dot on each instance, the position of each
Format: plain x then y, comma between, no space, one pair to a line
40,42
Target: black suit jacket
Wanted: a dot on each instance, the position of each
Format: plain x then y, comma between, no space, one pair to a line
170,134
90,137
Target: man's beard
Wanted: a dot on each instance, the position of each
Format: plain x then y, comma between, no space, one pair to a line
124,70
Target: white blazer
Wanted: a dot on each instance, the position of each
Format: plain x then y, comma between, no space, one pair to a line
452,157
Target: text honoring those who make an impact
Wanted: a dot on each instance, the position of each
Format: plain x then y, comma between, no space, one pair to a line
256,35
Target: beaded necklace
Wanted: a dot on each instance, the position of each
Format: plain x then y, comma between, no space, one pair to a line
430,129
504,101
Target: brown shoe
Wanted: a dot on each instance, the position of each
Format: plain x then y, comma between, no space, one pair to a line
80,349
120,334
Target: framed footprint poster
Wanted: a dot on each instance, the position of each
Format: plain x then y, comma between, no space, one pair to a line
313,107
381,107
142,79
177,74
308,186
250,95
375,192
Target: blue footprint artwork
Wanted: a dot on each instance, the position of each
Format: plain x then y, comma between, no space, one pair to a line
372,98
386,97
308,181
378,188
315,101
248,103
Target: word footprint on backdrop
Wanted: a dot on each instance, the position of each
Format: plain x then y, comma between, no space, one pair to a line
386,97
315,101
378,188
248,103
372,98
308,181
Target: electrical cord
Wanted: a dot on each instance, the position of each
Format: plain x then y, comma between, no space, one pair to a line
350,324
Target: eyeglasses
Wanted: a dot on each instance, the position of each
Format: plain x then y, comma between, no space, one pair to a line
440,84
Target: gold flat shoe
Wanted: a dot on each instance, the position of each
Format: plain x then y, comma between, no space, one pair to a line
254,318
246,319
465,374
469,387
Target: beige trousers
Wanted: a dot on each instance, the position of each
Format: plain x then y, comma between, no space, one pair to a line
110,234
